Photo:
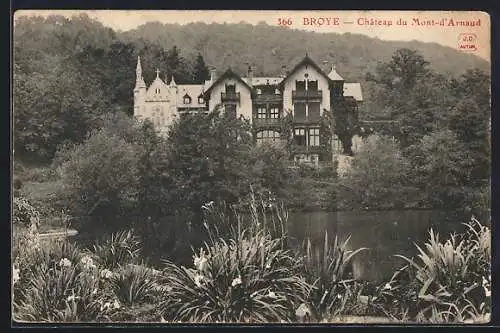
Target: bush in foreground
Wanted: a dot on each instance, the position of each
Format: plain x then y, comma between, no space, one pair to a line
241,280
334,292
450,281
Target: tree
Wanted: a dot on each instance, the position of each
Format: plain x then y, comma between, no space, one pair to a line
100,178
471,120
441,168
416,98
377,175
209,159
346,123
269,169
201,73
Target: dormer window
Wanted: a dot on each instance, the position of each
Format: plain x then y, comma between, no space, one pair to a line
201,100
187,99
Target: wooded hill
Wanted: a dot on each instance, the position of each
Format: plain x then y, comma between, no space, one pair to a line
268,48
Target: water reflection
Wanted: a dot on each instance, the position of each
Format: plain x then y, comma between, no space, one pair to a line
385,233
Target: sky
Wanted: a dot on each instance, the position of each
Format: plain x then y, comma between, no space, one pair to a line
466,31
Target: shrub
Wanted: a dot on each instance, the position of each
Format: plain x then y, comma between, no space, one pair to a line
120,248
377,175
134,284
451,281
25,223
250,278
334,292
100,178
60,284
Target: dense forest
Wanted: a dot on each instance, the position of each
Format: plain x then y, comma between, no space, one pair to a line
69,72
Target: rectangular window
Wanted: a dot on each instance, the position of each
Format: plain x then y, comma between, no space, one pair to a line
299,111
261,112
312,85
314,111
230,88
267,136
314,137
274,112
300,85
300,136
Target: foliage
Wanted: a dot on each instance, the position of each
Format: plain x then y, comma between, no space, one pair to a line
441,167
100,178
24,213
134,284
120,248
270,168
242,280
451,281
207,159
200,72
327,270
243,273
377,175
58,283
346,122
25,224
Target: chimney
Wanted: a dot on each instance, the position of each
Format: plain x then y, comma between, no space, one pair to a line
283,71
250,75
213,73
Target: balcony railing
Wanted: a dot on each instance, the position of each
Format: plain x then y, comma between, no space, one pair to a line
266,121
307,94
230,97
264,98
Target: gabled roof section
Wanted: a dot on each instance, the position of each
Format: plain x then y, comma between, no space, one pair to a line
354,90
303,62
227,74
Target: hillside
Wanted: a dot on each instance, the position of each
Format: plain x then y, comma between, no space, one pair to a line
268,48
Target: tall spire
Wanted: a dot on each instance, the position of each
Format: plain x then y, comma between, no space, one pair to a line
139,80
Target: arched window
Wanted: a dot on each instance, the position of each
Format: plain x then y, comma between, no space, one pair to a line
187,99
201,100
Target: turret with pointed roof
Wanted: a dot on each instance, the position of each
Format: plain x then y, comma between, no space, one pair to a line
139,79
334,76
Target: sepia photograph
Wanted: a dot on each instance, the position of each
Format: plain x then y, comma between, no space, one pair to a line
251,167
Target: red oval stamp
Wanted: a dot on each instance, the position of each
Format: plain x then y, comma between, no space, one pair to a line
467,42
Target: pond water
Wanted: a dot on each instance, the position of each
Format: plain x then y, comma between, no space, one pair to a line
385,233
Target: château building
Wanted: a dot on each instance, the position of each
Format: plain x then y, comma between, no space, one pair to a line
305,92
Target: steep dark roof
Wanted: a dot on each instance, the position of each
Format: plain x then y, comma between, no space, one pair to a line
303,62
228,73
